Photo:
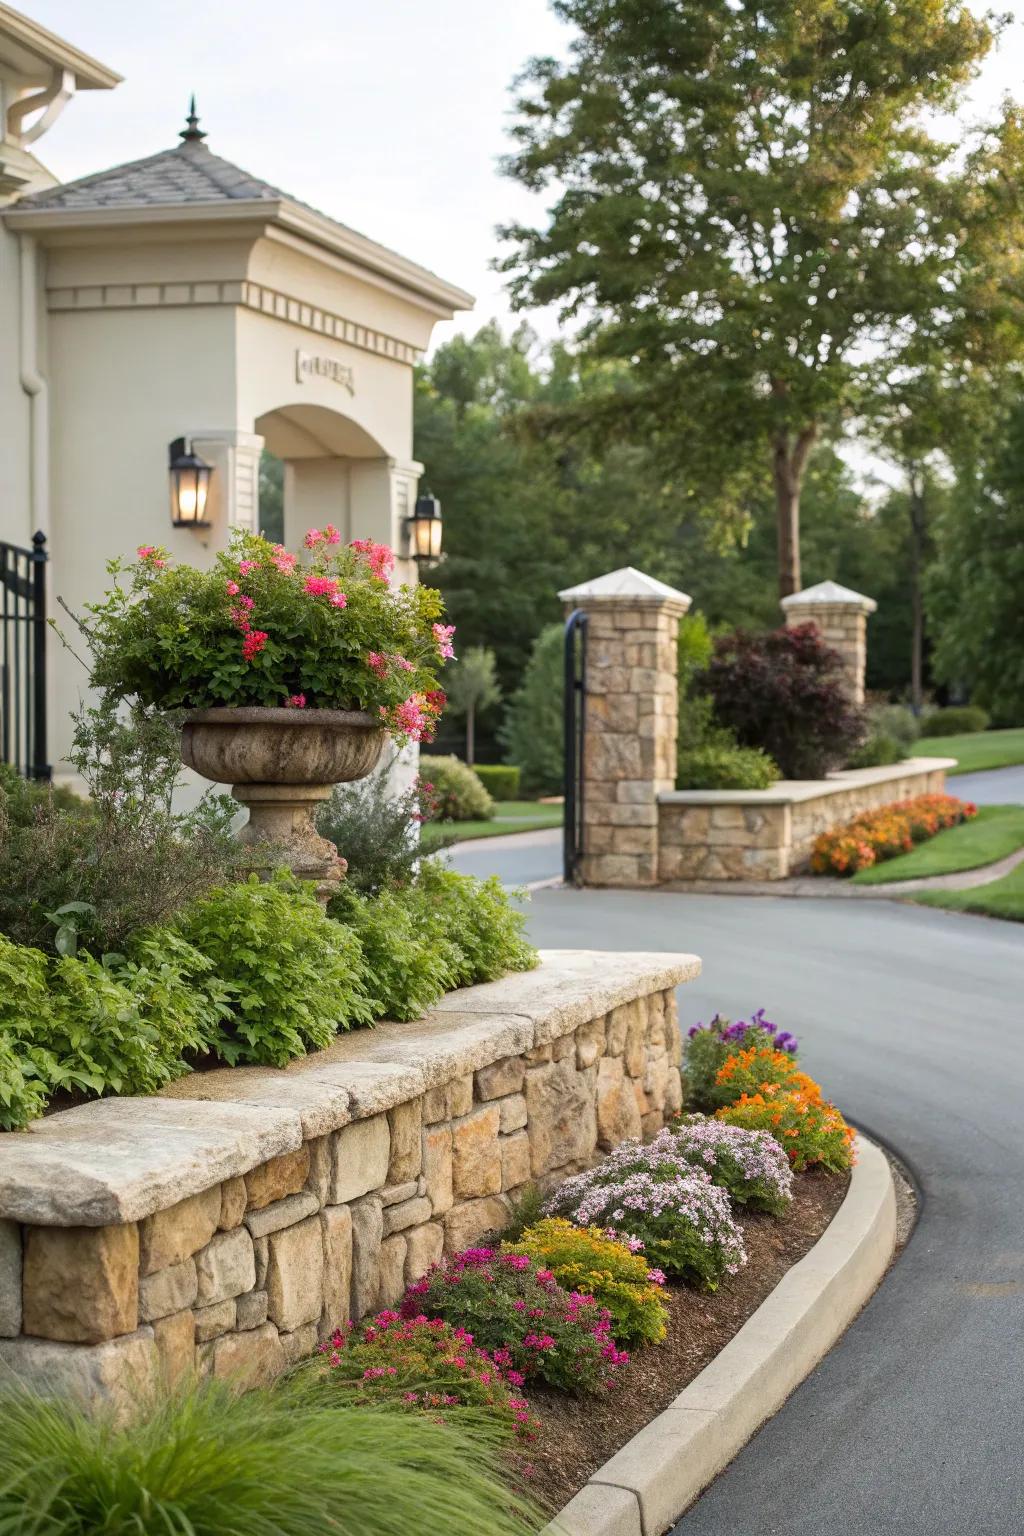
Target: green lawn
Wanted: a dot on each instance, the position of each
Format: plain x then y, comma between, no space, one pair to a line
1002,898
509,816
998,830
973,753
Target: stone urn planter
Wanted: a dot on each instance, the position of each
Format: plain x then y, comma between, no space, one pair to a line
282,763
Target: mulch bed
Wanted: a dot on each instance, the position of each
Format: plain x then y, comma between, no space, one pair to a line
577,1435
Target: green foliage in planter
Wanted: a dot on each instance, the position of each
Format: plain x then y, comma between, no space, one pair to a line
501,780
210,1461
259,628
532,733
406,967
24,999
962,720
377,831
296,978
454,789
125,859
892,731
473,924
725,767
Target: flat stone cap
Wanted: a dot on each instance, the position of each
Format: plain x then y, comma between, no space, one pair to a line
625,586
829,594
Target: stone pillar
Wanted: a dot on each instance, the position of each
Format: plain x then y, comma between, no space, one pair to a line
842,618
629,755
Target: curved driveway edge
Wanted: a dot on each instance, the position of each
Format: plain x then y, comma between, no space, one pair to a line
644,1487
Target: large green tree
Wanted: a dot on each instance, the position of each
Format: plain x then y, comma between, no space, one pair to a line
750,211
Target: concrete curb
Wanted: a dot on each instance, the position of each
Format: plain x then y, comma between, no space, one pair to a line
644,1488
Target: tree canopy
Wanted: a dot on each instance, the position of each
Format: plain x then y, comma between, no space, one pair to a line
751,215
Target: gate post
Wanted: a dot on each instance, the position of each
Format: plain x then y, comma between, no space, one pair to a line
629,750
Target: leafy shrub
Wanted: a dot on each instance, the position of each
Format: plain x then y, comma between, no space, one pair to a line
525,1210
214,1462
585,1260
456,792
884,834
786,692
725,767
126,860
518,1312
24,1004
24,799
877,750
472,923
377,831
709,1045
896,721
501,780
532,731
260,628
810,1133
656,1197
296,977
419,1364
959,720
757,1068
405,966
749,1164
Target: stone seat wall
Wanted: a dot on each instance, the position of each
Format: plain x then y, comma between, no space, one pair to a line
768,834
229,1224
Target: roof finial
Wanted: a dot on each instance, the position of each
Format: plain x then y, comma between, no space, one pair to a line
192,133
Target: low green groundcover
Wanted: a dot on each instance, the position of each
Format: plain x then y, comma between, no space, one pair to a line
1001,898
976,753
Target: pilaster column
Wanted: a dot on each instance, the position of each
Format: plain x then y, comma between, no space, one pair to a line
842,618
629,752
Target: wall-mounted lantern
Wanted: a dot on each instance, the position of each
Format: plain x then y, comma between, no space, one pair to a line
424,528
190,485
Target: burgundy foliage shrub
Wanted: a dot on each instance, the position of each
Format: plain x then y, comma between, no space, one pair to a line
785,691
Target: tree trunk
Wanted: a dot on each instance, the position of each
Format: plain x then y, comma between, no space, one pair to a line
789,460
470,733
918,525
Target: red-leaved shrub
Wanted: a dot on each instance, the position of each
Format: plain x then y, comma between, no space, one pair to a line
787,692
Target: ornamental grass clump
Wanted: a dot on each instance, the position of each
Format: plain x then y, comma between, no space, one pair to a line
749,1164
515,1309
587,1260
811,1133
887,832
421,1365
757,1068
209,1461
262,627
652,1195
709,1045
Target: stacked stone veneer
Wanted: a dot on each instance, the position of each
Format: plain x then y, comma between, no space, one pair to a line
227,1226
632,705
842,617
769,834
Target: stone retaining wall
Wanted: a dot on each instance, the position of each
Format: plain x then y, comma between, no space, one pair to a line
768,834
231,1223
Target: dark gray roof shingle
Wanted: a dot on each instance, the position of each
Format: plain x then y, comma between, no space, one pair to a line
189,173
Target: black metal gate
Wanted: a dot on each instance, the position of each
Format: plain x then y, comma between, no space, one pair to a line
23,657
575,721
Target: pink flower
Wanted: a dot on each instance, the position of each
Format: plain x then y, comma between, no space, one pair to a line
151,554
443,638
377,663
282,560
339,600
313,538
247,602
253,643
409,717
331,534
320,586
656,1276
245,566
295,701
403,665
515,1378
233,589
379,557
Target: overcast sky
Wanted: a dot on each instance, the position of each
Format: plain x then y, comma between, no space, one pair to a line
389,116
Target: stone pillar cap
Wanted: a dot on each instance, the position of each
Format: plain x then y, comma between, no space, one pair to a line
625,586
829,594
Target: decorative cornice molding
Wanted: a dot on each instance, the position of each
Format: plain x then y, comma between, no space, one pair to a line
235,292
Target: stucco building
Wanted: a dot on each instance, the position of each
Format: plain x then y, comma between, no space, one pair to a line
178,296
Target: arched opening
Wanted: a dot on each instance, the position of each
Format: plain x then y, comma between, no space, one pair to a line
319,466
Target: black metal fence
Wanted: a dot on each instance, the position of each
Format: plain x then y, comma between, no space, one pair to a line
23,657
575,723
